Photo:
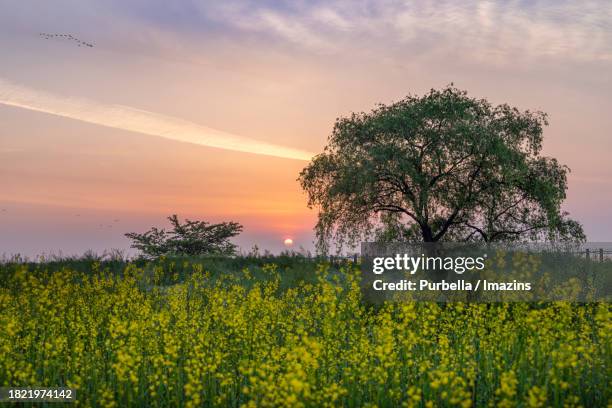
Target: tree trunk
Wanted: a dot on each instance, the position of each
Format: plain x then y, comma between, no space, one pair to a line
427,233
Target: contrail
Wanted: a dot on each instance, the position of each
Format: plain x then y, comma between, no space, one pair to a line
140,121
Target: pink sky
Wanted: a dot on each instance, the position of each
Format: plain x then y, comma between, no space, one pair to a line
81,163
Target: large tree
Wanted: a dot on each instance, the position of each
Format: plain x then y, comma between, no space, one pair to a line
439,167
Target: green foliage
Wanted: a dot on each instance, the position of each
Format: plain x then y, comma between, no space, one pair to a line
439,167
190,238
240,339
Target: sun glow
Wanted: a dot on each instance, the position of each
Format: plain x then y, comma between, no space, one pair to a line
288,242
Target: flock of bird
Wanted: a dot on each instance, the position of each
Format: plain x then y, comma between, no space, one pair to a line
69,37
116,220
109,225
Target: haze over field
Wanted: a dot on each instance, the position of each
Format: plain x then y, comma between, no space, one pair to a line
92,139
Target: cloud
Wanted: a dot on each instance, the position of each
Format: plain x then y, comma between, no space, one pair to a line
292,31
469,29
140,121
491,33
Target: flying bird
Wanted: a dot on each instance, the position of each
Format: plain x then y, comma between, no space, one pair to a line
70,37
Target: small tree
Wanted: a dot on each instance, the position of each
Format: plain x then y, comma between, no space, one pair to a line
190,238
441,167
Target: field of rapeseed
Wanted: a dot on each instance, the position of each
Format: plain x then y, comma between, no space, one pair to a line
149,337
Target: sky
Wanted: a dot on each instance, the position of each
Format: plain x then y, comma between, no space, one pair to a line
210,109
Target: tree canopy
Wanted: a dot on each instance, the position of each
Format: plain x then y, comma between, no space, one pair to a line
439,167
189,238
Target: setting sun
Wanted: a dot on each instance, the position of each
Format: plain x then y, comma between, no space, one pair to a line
288,242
